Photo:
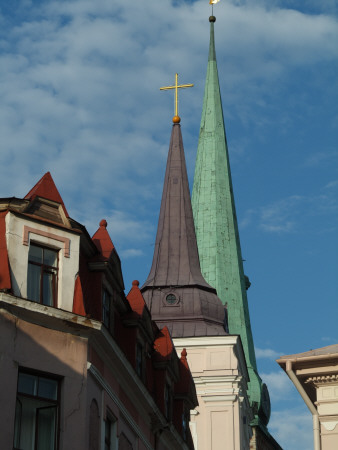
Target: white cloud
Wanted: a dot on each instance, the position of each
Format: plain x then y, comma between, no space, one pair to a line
292,214
292,428
80,96
123,228
279,384
285,227
331,184
318,158
266,353
329,340
278,216
131,253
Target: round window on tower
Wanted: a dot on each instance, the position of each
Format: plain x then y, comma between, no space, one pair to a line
171,299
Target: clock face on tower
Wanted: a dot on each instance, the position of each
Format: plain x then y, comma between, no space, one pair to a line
265,405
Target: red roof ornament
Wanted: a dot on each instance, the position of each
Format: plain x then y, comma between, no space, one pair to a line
103,241
136,299
163,345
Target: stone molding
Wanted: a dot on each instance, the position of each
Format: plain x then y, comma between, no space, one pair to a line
333,378
330,426
205,341
29,230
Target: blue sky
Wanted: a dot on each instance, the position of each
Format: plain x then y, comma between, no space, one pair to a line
80,97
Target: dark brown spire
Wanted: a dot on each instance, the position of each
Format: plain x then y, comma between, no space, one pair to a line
175,291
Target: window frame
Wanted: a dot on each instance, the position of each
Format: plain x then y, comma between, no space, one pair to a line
139,359
171,299
185,424
45,268
107,312
168,401
107,433
49,403
112,442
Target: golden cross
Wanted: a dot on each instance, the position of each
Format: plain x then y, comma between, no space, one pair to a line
176,87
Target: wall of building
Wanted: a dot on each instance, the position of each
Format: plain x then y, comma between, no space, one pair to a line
30,346
223,416
96,380
19,232
327,405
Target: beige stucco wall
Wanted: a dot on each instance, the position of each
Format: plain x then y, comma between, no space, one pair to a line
315,375
18,257
221,421
327,405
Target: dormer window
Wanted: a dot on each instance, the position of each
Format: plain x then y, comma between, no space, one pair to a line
42,275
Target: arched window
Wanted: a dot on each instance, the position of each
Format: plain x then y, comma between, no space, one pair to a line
94,426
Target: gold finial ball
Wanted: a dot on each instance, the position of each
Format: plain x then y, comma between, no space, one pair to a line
176,119
212,19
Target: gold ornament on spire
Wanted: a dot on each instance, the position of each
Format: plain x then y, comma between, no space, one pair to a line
213,2
176,118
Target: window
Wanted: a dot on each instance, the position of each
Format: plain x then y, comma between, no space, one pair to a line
171,299
94,426
167,401
110,438
139,359
42,275
36,414
185,423
106,308
107,434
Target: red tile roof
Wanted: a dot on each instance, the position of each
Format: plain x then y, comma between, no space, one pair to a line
78,301
46,188
5,277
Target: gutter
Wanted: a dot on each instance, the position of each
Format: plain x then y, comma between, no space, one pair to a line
309,404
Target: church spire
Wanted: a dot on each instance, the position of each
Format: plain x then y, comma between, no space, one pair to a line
216,223
175,290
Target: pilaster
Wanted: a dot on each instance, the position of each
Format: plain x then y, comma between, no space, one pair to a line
222,419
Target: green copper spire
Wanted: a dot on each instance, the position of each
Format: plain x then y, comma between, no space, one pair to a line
216,225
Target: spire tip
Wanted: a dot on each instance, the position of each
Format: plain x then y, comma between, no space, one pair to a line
176,119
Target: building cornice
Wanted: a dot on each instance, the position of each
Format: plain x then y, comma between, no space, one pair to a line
207,341
322,379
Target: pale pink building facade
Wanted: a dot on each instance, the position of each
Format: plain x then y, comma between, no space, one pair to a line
81,365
